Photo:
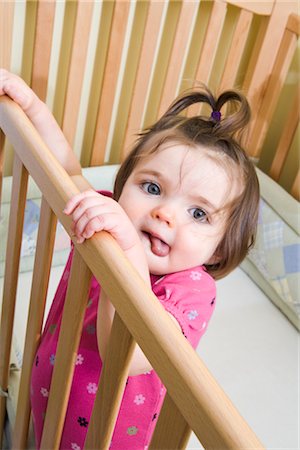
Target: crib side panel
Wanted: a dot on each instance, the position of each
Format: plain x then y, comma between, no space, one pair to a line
108,69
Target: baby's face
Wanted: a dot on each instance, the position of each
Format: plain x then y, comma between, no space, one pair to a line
175,198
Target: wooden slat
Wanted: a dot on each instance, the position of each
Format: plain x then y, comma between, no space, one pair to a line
77,68
111,387
276,80
146,61
295,191
6,32
258,76
209,48
166,39
172,430
41,272
286,139
262,7
210,43
70,332
112,66
63,55
14,240
178,53
126,82
2,141
96,84
293,24
42,47
237,48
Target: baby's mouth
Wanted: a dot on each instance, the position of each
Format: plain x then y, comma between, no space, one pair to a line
158,246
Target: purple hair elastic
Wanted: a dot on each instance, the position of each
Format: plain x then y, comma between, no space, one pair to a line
216,115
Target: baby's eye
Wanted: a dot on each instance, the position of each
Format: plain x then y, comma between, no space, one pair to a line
198,214
151,188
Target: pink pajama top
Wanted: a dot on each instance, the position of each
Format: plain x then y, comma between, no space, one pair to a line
188,295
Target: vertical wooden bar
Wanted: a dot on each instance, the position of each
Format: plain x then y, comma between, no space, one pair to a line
273,89
178,54
6,32
118,29
42,47
210,44
209,48
261,71
144,70
77,67
295,191
70,332
98,72
111,387
286,139
14,240
2,141
130,61
236,50
167,34
41,272
172,430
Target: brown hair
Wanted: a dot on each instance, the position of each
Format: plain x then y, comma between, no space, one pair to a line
222,136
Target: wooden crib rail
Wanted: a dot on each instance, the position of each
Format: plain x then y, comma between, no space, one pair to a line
194,400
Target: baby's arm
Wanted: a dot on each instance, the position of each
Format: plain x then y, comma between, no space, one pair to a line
92,212
42,119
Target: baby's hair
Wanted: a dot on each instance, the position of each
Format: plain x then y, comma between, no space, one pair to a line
221,136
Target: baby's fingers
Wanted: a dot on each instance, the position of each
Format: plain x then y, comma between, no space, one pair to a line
86,227
73,203
90,219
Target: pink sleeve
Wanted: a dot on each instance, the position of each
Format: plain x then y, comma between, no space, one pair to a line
190,297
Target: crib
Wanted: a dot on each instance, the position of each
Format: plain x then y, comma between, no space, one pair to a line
118,67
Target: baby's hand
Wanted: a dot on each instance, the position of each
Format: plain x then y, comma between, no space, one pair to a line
20,92
92,212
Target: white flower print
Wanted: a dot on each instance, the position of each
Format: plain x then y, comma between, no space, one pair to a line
139,399
193,314
203,325
44,392
79,359
92,388
74,446
195,275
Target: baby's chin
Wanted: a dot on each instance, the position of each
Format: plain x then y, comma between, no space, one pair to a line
157,265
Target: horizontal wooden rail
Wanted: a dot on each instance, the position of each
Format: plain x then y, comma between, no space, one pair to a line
202,402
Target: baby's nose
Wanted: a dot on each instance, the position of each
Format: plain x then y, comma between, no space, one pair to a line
164,214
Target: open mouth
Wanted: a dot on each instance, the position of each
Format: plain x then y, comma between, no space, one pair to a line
158,246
